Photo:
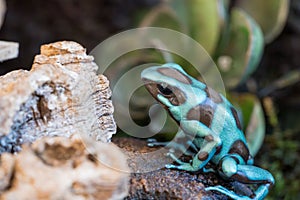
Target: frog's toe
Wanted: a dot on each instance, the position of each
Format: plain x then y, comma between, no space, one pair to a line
192,146
170,166
218,188
227,192
149,140
184,166
151,144
208,170
174,157
154,143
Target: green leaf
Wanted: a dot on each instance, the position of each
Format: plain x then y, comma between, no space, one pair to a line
271,15
163,16
253,119
243,51
205,21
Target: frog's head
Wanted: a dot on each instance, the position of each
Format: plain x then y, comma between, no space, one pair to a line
170,85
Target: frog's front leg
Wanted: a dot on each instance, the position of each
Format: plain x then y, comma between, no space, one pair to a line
210,143
231,168
181,142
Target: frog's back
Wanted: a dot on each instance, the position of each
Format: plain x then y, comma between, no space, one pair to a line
228,126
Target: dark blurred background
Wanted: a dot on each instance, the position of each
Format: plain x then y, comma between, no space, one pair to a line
33,23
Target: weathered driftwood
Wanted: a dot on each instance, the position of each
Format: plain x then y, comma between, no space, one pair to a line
62,168
8,50
61,95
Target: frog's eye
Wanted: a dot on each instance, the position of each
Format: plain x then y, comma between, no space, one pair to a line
164,90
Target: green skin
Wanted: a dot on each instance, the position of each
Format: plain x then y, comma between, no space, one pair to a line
209,126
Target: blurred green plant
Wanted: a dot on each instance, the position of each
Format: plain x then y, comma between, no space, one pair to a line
271,15
234,33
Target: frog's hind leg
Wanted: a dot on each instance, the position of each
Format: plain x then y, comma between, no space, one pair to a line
232,167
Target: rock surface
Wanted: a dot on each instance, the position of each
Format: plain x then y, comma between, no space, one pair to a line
61,95
63,168
165,183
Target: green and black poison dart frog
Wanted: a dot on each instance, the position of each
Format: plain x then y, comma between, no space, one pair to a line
212,123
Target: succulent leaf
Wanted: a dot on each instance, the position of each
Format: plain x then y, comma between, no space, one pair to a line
205,20
243,51
271,15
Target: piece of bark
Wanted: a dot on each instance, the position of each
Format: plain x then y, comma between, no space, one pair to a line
61,95
165,183
63,168
8,50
